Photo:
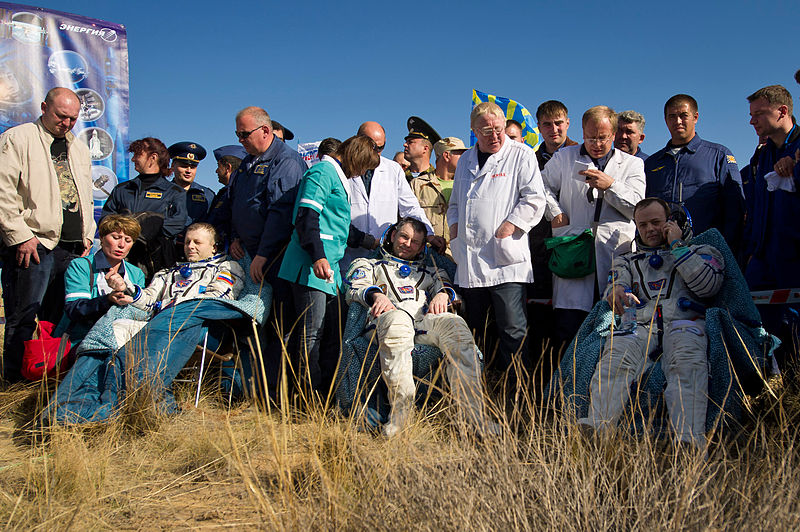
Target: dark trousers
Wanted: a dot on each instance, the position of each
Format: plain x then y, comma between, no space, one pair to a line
568,321
311,305
274,334
508,303
37,290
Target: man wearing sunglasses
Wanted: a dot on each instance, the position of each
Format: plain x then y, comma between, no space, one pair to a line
263,191
591,186
262,194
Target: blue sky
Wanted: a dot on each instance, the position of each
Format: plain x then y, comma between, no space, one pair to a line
322,68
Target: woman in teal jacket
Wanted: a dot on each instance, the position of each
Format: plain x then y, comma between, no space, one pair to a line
88,296
322,225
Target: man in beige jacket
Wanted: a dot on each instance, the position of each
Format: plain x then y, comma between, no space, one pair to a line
46,218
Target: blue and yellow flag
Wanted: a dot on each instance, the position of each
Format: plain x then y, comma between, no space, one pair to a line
513,110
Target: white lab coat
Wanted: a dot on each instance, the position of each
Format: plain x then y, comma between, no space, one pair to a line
508,188
389,195
566,193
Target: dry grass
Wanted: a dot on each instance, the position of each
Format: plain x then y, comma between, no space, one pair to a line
305,468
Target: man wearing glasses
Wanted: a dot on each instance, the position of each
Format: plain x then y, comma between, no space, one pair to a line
497,198
591,186
699,173
262,193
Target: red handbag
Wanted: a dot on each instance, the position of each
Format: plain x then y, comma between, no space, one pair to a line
43,353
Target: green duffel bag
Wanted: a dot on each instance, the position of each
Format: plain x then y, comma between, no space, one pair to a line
573,256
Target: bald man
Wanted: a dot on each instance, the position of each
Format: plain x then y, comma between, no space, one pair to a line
46,218
376,199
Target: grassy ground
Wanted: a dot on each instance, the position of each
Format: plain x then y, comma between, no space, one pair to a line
307,468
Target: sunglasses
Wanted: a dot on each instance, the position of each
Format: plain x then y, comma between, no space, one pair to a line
244,134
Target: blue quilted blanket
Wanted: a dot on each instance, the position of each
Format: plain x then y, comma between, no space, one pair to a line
254,300
739,355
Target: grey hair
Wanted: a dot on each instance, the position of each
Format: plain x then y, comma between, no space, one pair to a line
259,115
632,117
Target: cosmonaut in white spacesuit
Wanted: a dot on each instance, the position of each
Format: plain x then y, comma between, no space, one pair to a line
668,279
408,303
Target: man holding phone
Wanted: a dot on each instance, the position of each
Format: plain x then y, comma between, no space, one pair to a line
591,186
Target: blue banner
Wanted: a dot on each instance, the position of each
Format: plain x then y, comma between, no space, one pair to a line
41,49
513,111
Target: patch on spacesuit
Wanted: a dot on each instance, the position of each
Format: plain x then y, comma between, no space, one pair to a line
201,289
182,283
261,169
613,275
408,289
358,274
711,260
382,288
731,159
635,289
225,277
153,195
656,285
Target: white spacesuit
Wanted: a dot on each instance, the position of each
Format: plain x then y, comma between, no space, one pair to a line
410,286
669,284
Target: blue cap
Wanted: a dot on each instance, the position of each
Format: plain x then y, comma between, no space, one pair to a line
231,149
187,151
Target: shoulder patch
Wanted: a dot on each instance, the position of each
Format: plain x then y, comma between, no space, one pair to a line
358,274
153,195
731,159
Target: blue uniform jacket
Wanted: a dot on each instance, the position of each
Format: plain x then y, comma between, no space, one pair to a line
773,233
262,195
219,213
163,197
712,186
198,202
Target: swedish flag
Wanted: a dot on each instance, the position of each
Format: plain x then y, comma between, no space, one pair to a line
513,111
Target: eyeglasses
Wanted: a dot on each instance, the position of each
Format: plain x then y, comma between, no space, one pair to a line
378,148
244,134
489,131
601,140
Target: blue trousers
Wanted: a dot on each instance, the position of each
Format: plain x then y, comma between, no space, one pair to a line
92,389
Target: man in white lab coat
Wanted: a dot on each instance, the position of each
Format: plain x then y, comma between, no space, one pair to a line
375,201
497,198
591,186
